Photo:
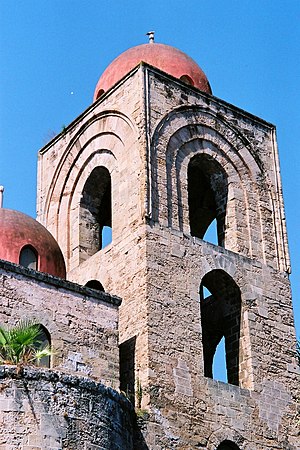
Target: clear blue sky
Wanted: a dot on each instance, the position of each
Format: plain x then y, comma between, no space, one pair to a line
249,49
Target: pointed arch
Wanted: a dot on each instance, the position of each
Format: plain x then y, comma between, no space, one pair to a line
221,317
94,212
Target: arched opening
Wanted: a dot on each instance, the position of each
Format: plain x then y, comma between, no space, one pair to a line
94,213
95,284
29,257
44,340
99,93
220,303
186,79
227,445
207,197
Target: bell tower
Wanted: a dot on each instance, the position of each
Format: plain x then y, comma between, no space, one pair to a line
158,159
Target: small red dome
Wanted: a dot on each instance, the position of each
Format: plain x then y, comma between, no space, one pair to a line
17,231
164,57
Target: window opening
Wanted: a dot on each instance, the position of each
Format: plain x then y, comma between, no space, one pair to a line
127,368
95,213
99,93
228,445
186,79
207,198
29,257
95,284
220,303
44,340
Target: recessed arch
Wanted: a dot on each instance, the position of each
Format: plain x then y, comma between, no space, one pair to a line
95,284
207,196
95,212
221,317
29,257
187,80
43,341
227,445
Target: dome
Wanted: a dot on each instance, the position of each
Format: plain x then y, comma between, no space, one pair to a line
19,232
164,57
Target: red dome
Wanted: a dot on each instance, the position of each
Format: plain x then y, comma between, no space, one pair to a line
166,58
18,230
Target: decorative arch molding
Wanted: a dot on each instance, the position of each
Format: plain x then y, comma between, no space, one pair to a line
180,136
113,127
102,140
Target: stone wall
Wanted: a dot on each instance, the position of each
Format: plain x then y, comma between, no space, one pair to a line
47,409
82,322
189,410
145,131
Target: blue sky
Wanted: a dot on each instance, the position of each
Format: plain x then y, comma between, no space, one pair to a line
52,53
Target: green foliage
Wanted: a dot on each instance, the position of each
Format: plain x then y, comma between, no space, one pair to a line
20,344
139,393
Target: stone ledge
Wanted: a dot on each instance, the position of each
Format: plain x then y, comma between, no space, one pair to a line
29,373
60,283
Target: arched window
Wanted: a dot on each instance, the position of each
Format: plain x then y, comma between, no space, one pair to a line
227,445
99,93
207,197
220,302
95,213
186,79
29,257
95,284
44,340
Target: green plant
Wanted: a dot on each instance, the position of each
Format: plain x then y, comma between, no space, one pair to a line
20,344
139,393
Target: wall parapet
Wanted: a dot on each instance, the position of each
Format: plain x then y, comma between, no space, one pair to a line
51,409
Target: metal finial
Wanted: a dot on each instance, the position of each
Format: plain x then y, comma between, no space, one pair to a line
151,36
1,196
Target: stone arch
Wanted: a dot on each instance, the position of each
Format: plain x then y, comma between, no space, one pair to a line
227,445
220,262
101,140
228,436
179,136
207,196
44,340
94,212
221,317
95,284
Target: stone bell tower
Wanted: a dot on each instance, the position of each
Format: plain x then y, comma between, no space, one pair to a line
158,159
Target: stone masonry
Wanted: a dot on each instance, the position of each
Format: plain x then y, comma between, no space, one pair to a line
149,145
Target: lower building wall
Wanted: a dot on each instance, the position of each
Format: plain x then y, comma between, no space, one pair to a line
46,409
82,323
219,412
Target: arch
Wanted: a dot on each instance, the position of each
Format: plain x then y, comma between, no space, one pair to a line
99,93
187,80
221,317
95,284
29,257
207,196
44,340
94,212
181,134
227,445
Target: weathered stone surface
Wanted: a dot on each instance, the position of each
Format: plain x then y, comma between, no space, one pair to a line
53,410
161,142
82,322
